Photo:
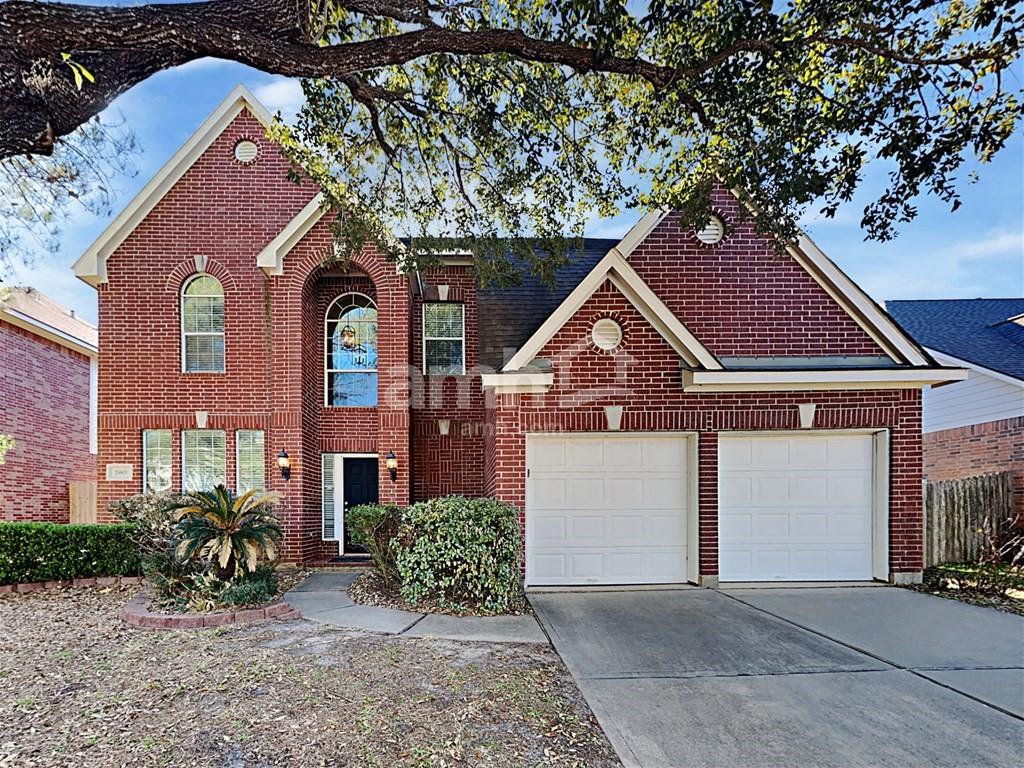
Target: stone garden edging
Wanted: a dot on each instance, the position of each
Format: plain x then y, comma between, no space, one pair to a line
137,614
97,581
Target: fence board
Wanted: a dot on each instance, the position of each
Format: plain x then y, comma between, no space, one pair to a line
82,502
955,510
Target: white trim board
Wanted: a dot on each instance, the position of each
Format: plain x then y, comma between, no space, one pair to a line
614,267
46,331
92,265
775,380
947,359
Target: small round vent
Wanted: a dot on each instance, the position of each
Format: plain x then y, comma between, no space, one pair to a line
246,151
712,232
606,334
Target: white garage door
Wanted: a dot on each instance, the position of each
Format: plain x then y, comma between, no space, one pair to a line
795,508
606,509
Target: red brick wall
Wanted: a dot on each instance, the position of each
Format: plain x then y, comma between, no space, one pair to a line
741,297
45,408
643,376
996,446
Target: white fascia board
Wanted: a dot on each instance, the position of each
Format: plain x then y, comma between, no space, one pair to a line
271,258
639,232
511,383
947,359
774,381
615,267
20,319
91,266
861,308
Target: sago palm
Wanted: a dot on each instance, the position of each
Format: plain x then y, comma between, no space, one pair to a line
231,531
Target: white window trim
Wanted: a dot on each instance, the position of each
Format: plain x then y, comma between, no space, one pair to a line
145,457
461,337
181,324
238,462
329,371
339,488
184,464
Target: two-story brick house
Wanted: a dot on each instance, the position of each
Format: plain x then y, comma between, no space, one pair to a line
679,406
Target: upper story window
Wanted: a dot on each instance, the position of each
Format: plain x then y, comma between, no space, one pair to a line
202,325
351,351
444,339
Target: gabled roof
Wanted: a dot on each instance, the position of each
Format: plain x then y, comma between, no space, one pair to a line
92,265
36,312
620,272
982,332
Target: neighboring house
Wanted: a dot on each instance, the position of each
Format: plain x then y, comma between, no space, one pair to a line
975,426
48,387
679,406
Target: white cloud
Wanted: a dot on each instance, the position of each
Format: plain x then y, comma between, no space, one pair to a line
283,95
996,243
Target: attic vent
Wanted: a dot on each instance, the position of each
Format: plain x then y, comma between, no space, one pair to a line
606,334
246,151
713,231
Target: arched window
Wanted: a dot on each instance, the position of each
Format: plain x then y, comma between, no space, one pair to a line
351,351
202,325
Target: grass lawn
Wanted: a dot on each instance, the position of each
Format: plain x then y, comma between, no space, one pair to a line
79,687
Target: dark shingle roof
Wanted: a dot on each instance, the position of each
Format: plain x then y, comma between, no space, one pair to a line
509,315
975,330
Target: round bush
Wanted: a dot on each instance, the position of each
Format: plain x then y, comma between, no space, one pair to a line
463,553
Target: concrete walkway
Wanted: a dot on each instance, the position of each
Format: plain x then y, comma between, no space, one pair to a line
840,677
323,597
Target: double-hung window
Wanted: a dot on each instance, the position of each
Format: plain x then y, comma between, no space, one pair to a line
444,339
156,460
202,325
249,461
203,462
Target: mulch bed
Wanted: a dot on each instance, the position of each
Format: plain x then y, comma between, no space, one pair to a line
999,602
80,687
369,589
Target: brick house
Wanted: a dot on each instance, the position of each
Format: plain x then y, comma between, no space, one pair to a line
48,386
976,426
678,406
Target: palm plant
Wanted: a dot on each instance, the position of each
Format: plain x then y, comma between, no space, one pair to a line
231,531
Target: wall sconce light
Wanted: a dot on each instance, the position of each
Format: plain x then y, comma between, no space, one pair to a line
391,461
285,464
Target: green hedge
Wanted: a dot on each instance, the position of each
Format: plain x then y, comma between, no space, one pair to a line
51,552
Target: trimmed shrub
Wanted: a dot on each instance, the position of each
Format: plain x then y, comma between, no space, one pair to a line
375,526
251,588
463,553
51,552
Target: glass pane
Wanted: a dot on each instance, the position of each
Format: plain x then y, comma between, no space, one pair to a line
203,459
352,347
352,389
204,286
442,321
444,357
251,473
203,314
204,353
156,450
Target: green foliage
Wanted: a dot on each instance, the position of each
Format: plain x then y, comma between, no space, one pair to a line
250,588
233,532
50,552
6,443
788,102
375,526
463,553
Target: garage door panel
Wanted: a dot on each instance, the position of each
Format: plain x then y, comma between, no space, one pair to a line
614,512
795,507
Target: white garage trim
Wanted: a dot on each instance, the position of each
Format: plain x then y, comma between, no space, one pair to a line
646,551
880,469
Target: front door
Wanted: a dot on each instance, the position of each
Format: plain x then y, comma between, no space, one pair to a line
348,481
360,487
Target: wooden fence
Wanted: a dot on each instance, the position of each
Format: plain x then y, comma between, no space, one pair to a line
82,502
955,510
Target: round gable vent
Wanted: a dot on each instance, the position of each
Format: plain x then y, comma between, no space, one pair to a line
606,334
246,151
712,232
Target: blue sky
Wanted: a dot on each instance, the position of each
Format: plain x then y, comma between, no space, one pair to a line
978,251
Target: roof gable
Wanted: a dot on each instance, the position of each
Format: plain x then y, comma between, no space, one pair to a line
92,265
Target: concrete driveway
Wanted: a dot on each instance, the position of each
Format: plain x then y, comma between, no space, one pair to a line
868,676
